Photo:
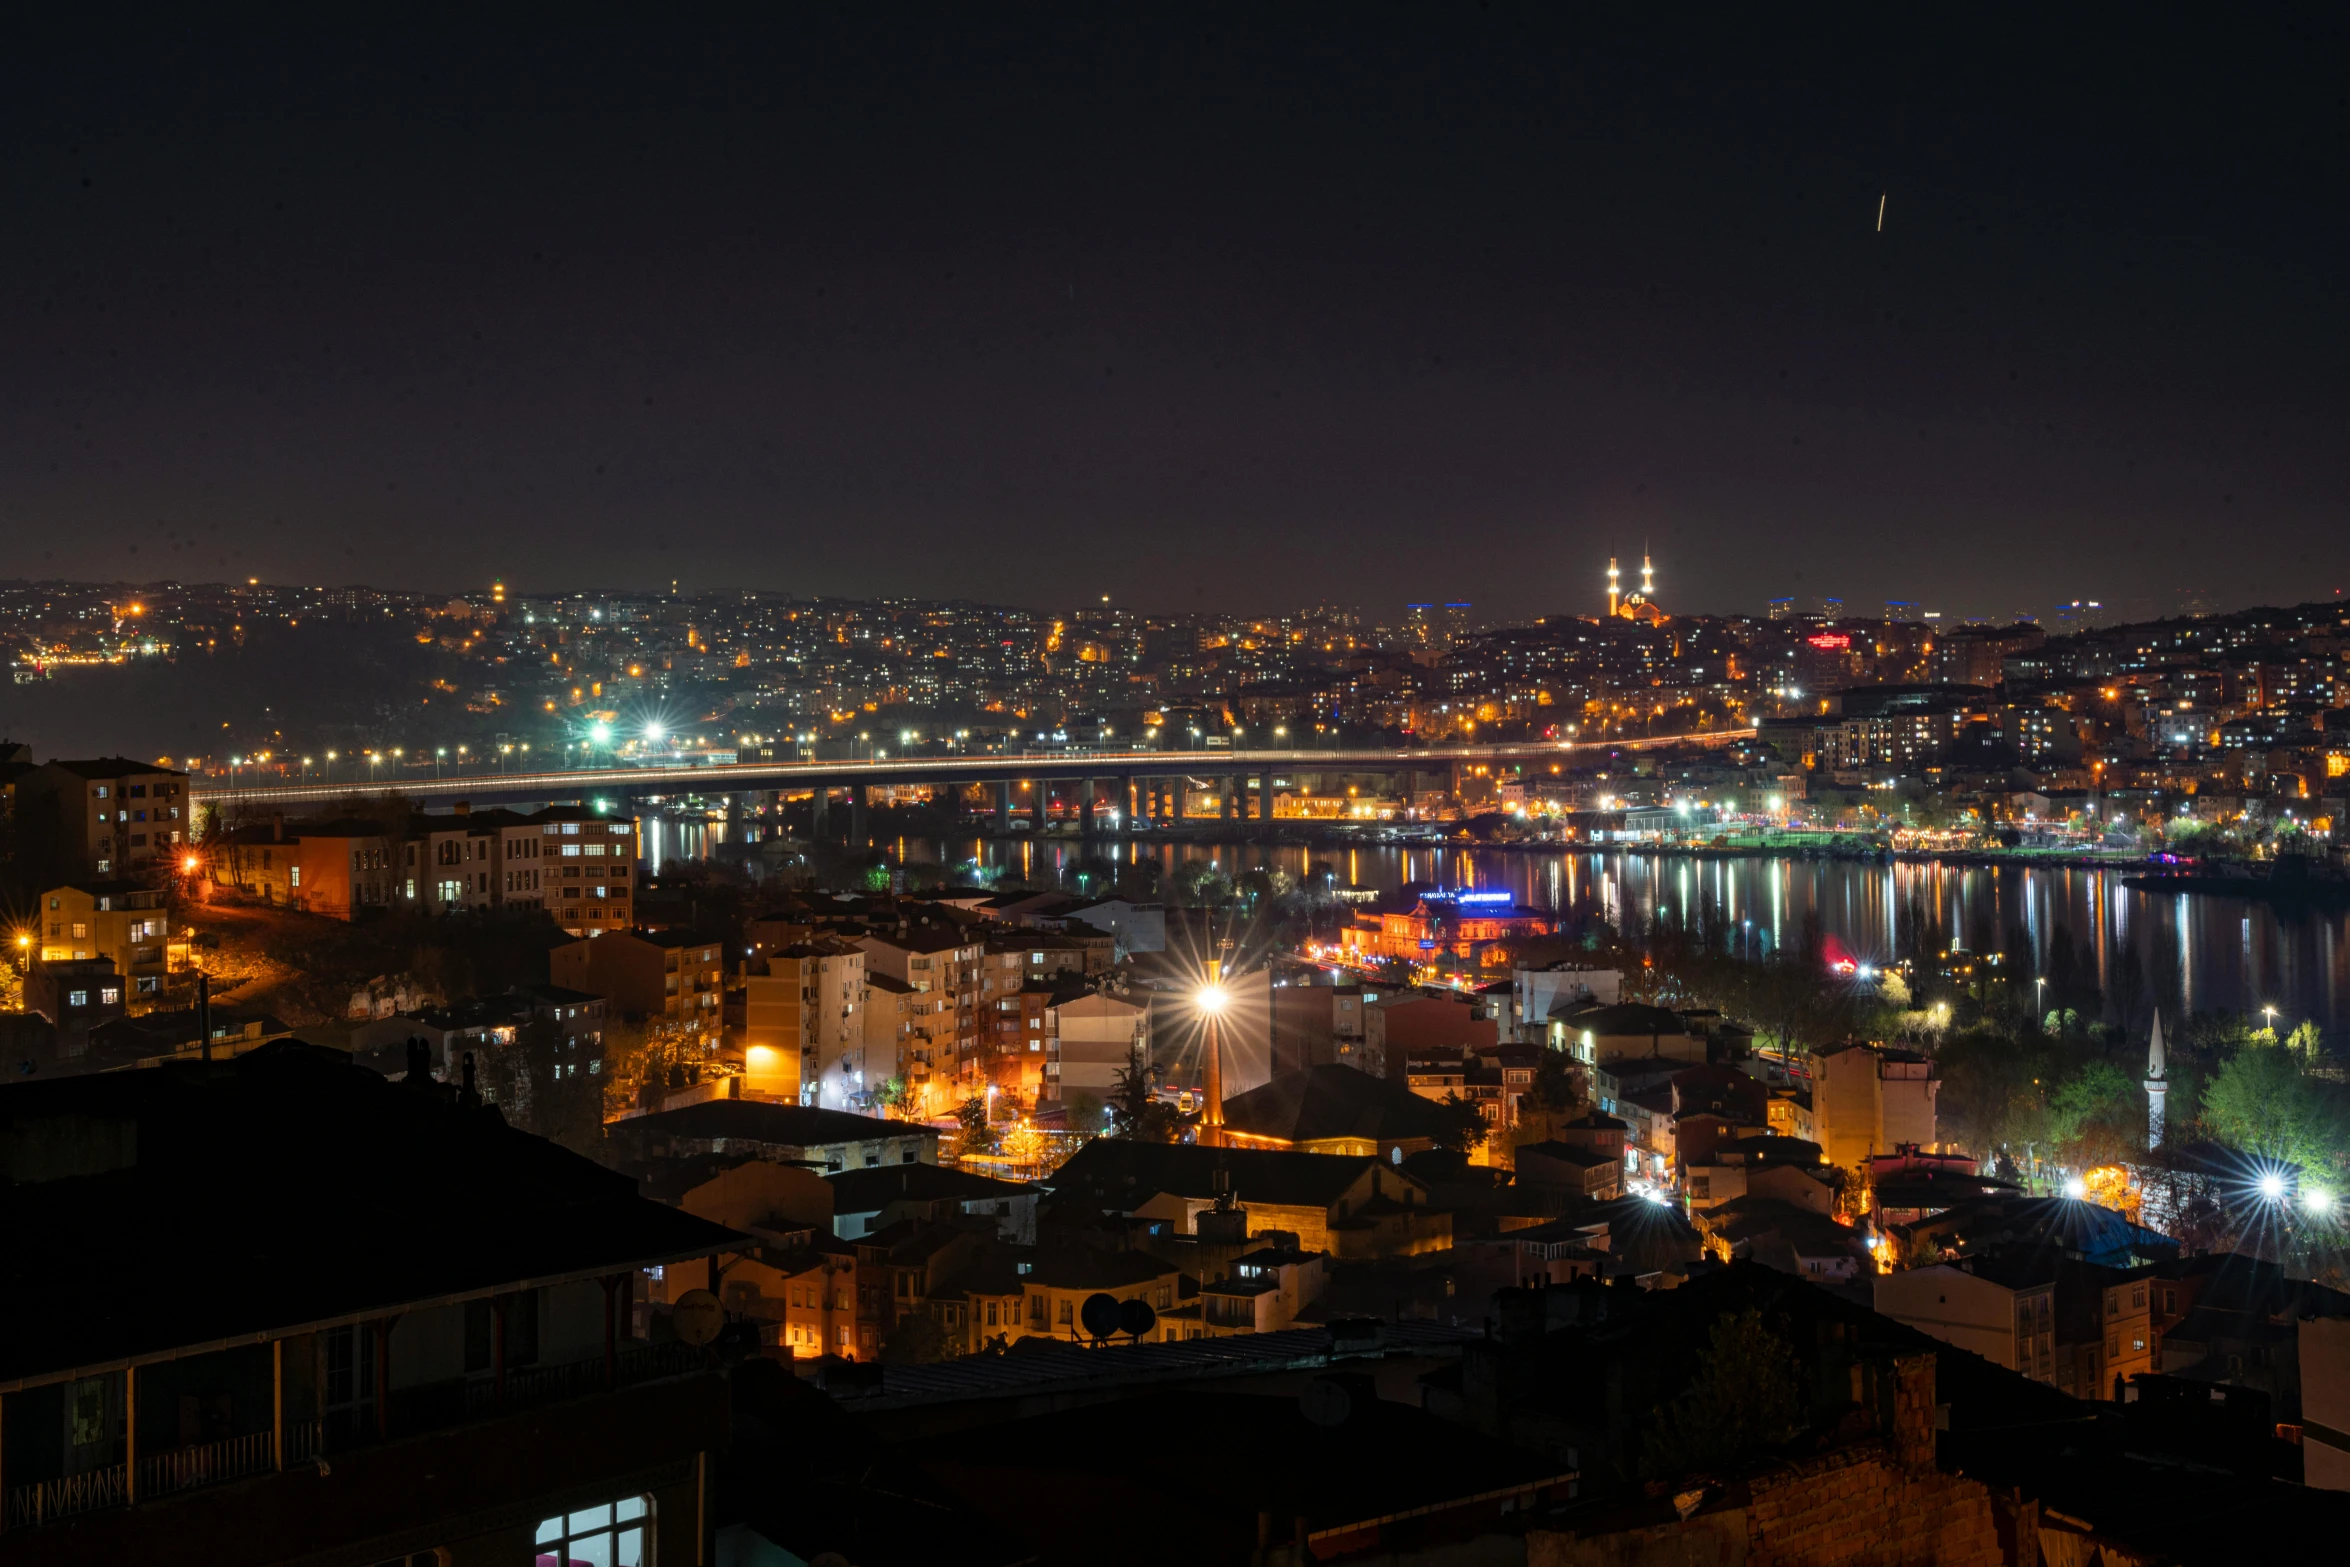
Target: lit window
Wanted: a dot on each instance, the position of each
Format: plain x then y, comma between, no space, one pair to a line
612,1535
77,998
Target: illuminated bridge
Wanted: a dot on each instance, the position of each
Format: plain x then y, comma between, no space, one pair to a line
1125,768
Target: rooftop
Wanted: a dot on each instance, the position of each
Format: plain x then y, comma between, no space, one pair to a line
283,1191
1120,1174
765,1121
1321,1103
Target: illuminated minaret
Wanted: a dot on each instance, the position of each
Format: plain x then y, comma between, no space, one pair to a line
2156,1084
1613,596
1647,578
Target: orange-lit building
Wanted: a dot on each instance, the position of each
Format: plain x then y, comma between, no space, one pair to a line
1466,926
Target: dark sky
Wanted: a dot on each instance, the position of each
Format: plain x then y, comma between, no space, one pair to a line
1197,307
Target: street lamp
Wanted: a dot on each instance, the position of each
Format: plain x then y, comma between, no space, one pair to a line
2270,1013
1211,999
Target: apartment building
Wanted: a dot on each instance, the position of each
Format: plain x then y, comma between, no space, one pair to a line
584,870
1872,1099
2001,1308
941,964
105,817
890,1009
804,1031
1099,1037
114,919
578,866
666,975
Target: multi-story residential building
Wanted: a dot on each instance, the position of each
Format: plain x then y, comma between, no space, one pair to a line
78,996
579,866
105,817
891,1006
2001,1308
115,919
1098,1037
1870,1099
1265,1289
666,975
804,1034
2104,1328
585,869
941,964
473,1383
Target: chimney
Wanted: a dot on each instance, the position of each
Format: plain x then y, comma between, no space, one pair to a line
277,828
464,807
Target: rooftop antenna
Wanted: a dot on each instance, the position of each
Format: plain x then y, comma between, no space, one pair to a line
204,1013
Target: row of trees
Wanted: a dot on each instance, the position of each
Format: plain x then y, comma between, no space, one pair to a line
2040,1066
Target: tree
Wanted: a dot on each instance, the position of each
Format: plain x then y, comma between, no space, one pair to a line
2262,1103
1138,1110
1463,1126
1745,1397
979,1133
2097,1117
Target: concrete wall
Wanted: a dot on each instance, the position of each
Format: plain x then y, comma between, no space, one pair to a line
1955,1307
2325,1403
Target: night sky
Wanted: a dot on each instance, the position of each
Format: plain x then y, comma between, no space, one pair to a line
1200,308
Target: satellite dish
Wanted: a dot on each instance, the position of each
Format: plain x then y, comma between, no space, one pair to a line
1099,1314
1135,1318
697,1317
1326,1402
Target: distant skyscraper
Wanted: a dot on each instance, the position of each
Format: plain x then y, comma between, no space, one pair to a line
1901,609
1780,609
1830,607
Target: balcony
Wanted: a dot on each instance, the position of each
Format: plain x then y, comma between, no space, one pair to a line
160,1474
411,1412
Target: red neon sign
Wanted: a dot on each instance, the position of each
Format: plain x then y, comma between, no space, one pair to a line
1830,639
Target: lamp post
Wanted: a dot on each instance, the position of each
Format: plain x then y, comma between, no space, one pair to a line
1211,1000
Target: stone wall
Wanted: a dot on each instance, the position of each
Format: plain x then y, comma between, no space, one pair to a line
1878,1503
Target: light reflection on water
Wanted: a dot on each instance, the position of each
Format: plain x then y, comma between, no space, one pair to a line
2212,953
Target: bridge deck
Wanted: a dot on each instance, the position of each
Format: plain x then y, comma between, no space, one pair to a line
737,777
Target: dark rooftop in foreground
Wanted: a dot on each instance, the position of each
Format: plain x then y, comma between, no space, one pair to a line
189,1205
